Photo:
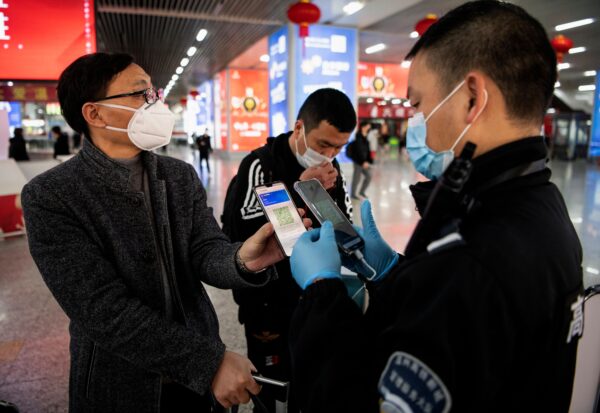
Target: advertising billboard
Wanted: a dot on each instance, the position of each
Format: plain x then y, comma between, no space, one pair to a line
326,58
249,108
384,80
278,82
595,138
38,39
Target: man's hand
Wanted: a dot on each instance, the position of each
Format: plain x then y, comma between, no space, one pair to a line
325,173
261,250
366,165
233,381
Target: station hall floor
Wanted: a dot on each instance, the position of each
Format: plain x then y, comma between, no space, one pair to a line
34,358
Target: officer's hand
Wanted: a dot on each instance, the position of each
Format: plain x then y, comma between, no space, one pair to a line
316,256
325,173
233,381
377,252
261,250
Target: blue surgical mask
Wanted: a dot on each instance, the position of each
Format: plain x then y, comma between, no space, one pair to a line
429,163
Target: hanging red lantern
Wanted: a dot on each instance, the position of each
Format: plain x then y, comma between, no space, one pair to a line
424,24
183,101
304,13
194,94
561,45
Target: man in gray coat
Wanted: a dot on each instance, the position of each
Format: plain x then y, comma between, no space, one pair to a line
123,238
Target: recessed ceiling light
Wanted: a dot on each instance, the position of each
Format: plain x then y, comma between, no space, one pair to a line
369,100
586,88
10,83
414,35
396,101
575,50
174,77
406,104
589,73
191,51
572,25
201,35
557,84
563,66
179,70
184,62
353,7
375,48
265,58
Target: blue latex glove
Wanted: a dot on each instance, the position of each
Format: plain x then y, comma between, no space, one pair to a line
377,253
315,256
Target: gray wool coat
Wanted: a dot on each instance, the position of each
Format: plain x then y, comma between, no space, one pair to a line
93,242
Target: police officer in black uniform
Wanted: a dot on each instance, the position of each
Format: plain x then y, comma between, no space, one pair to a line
483,311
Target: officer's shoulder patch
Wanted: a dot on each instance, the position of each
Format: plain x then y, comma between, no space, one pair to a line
408,385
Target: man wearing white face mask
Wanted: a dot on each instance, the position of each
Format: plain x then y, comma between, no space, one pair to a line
124,239
482,312
323,127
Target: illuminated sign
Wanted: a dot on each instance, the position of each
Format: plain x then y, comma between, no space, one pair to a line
39,39
278,73
382,80
249,108
327,59
595,138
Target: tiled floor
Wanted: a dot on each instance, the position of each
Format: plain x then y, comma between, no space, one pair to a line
33,328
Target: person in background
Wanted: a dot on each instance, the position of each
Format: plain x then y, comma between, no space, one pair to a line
76,140
61,142
17,148
204,149
484,310
321,130
373,139
362,159
384,139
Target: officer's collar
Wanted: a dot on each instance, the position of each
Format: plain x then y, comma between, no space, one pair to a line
490,165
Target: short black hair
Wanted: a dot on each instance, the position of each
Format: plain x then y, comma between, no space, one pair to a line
86,80
330,105
503,41
18,132
56,129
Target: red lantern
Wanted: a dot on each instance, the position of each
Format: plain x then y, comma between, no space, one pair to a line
183,101
304,13
561,45
424,24
194,93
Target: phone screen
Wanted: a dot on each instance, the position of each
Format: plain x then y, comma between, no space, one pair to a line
325,209
282,213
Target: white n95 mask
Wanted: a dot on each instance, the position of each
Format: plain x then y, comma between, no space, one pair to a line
310,157
150,127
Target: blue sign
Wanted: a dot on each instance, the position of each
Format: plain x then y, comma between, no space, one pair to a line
205,115
595,138
14,113
278,80
275,197
327,59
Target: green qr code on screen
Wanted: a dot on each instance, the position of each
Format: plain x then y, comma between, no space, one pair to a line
283,216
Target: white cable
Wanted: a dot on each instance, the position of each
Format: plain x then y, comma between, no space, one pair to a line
364,262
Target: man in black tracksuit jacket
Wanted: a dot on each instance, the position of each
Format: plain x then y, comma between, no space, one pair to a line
484,311
324,124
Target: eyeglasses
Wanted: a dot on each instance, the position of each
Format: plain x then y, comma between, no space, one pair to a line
151,95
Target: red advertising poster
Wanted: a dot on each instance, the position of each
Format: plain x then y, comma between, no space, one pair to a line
28,93
222,107
38,39
11,214
388,111
249,105
382,80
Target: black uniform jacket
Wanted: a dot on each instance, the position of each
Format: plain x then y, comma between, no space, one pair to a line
484,325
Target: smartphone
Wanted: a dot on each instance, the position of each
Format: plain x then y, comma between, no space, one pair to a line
280,210
325,209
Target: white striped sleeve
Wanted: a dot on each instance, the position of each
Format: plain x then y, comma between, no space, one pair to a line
347,200
251,208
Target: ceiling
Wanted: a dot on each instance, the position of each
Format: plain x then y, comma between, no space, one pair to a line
159,32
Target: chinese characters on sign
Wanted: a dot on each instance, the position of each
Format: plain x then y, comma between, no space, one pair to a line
28,93
4,21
